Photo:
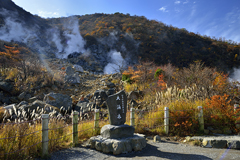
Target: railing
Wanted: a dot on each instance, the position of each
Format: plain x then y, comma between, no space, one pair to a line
96,127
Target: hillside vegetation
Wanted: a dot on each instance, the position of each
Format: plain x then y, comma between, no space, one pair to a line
159,42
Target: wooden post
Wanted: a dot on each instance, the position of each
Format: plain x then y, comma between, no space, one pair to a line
96,121
132,117
75,128
45,118
237,115
200,118
166,120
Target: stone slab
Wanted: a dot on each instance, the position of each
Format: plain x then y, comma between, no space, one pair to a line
117,131
117,108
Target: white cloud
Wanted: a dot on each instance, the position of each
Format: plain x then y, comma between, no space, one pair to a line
185,2
164,9
177,2
46,14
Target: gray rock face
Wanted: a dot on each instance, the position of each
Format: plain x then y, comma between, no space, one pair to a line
120,131
58,100
117,108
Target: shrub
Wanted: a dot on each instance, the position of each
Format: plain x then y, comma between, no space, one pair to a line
157,73
126,77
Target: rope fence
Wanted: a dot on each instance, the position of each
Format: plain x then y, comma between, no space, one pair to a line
133,120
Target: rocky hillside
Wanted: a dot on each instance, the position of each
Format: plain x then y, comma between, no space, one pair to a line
98,41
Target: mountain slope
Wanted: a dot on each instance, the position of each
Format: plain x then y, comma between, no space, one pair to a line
104,35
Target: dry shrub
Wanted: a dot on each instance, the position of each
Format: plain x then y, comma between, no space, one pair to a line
183,117
19,141
197,74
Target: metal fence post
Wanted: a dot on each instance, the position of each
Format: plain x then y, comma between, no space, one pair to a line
166,120
75,128
96,121
45,118
237,115
200,118
132,117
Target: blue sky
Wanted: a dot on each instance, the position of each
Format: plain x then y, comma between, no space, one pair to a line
219,18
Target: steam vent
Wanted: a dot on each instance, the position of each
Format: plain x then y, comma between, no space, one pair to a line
117,137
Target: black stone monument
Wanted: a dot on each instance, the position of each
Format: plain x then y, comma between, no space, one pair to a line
117,109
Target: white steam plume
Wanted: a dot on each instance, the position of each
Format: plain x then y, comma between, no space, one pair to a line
116,64
13,30
74,43
235,75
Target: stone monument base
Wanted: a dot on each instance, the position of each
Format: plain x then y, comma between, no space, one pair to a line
117,131
117,146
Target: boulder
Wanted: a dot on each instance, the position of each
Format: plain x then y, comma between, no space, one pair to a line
72,79
69,70
58,100
117,131
100,94
6,86
78,68
156,138
134,95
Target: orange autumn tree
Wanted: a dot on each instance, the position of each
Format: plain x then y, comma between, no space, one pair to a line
221,82
218,111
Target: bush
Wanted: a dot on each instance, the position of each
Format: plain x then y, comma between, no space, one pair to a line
157,73
126,78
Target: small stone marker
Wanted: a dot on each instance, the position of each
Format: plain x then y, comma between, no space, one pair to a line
117,108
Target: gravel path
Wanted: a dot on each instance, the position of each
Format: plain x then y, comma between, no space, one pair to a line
163,150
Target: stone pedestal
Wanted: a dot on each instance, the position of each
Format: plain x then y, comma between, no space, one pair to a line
117,146
117,131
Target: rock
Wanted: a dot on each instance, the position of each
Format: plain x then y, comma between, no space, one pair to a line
72,79
111,91
83,107
107,146
22,103
233,144
156,138
78,68
100,94
117,131
110,85
49,108
22,96
31,100
188,138
135,95
118,147
34,106
6,86
69,70
58,100
207,142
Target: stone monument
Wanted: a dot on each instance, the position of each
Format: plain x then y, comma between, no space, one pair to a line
117,137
